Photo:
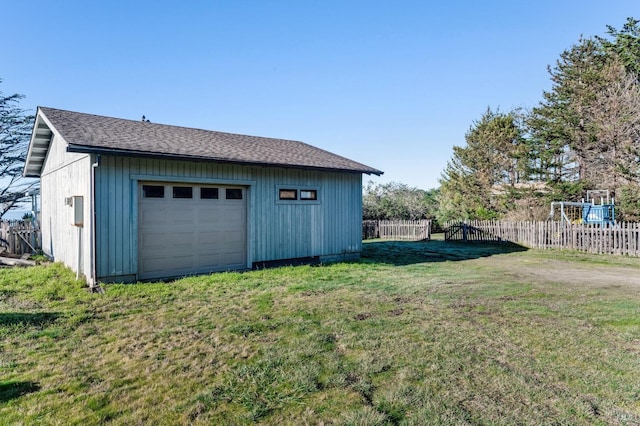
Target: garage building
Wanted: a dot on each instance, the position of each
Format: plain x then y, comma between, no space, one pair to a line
127,200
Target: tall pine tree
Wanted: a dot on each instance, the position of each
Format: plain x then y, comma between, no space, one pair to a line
493,161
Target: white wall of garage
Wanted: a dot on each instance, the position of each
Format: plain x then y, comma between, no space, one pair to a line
68,175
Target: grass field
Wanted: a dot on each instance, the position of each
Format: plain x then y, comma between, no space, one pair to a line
414,333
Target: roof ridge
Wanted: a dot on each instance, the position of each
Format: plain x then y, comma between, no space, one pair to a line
85,132
177,126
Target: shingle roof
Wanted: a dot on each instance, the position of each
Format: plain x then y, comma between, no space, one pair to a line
94,133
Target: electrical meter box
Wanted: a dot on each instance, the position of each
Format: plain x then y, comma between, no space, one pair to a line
78,206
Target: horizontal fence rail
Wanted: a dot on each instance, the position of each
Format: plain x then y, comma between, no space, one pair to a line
19,237
621,239
410,230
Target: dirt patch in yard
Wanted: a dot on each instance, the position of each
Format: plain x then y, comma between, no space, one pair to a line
550,270
602,271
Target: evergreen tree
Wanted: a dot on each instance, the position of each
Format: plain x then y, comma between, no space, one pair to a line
584,134
15,131
562,122
494,160
625,45
586,131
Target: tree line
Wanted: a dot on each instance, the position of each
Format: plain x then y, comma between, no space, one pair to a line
396,200
584,134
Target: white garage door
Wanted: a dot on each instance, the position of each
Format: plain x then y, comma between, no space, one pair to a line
190,229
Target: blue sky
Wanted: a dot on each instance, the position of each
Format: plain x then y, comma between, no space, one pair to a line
392,84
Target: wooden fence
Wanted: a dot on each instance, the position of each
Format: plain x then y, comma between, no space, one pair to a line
467,232
411,230
621,239
19,237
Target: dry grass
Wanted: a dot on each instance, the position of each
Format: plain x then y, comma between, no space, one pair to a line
415,333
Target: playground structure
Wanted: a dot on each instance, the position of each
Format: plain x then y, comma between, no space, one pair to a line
587,212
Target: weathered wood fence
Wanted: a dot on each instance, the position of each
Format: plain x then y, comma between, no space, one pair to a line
19,237
621,239
411,230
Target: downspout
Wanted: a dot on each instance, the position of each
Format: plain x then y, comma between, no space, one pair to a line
93,281
79,252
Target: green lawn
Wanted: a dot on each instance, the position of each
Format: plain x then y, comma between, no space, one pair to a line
414,333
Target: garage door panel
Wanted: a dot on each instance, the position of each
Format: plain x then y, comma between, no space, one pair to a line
210,251
209,237
177,239
181,214
234,258
154,265
212,261
233,221
151,217
188,236
233,248
153,242
210,216
179,263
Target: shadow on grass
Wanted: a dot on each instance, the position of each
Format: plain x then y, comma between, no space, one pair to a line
402,253
11,390
29,319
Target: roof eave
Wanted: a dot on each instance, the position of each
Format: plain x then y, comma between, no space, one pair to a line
39,143
158,155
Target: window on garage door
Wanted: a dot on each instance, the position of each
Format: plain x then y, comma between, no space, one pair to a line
182,192
233,194
207,193
153,191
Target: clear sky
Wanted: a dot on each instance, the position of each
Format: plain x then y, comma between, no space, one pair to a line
392,84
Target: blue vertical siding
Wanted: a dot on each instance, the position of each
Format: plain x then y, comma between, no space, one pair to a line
331,227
